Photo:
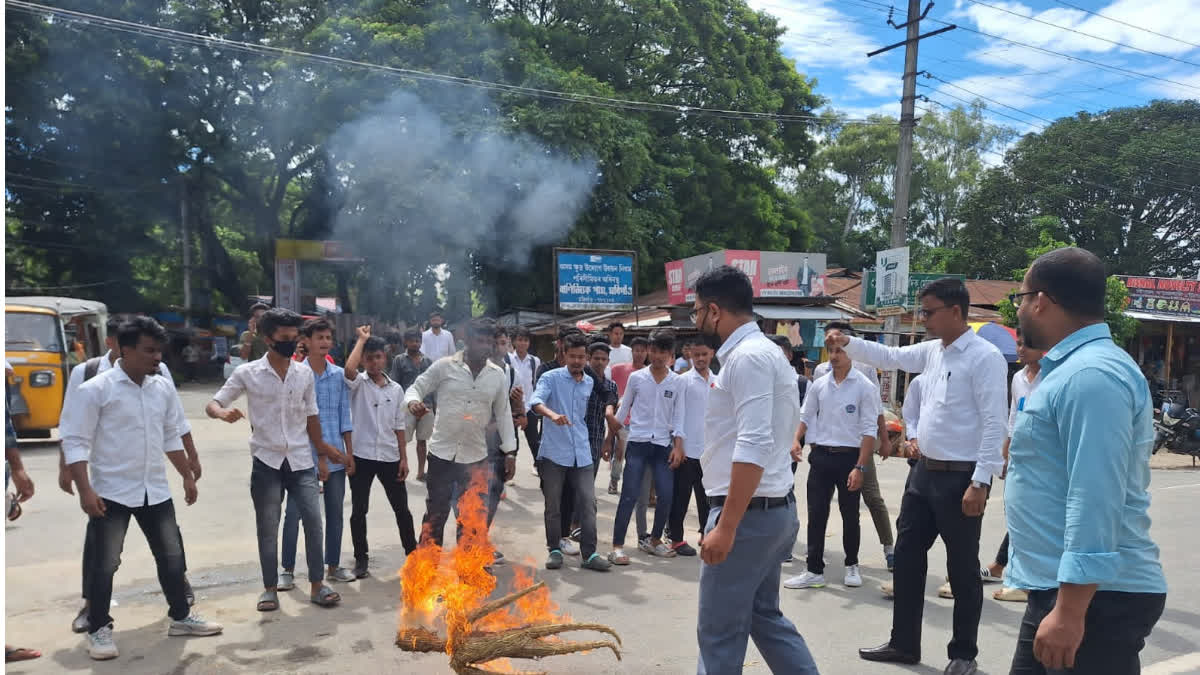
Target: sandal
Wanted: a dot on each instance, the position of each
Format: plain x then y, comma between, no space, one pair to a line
618,557
287,581
326,597
268,601
12,654
1008,594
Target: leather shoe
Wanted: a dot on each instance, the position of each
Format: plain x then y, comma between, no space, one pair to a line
886,653
961,667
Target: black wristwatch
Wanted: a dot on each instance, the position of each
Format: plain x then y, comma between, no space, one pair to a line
861,467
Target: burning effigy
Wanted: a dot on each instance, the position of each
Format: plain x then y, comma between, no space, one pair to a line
445,605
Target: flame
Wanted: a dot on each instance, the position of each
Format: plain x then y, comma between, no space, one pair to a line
442,588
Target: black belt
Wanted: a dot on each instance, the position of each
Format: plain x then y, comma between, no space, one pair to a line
836,449
755,502
944,465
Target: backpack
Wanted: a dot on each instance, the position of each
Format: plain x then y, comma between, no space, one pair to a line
91,367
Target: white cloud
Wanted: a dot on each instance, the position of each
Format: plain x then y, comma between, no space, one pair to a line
875,83
1191,90
818,34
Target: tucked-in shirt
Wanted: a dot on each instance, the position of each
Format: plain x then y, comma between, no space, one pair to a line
654,409
912,407
559,391
604,394
106,362
523,372
123,431
1076,497
1021,388
695,408
840,414
333,409
405,372
278,409
466,406
752,412
437,345
962,418
379,413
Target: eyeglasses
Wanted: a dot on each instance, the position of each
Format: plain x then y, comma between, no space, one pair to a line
926,313
696,312
1015,298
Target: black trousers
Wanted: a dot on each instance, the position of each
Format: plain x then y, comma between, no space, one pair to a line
577,485
828,472
688,481
365,473
444,480
108,540
533,434
1002,553
932,507
1114,631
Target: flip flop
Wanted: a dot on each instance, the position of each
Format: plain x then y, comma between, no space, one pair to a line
326,597
268,601
12,654
287,581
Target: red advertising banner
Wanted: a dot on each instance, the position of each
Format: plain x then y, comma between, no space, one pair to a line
1170,298
775,274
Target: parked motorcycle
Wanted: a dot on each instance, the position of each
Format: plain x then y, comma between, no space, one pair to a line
1177,427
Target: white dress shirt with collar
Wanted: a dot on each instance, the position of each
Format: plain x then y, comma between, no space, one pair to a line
278,410
695,411
524,370
655,409
870,372
466,406
840,414
123,431
752,413
437,345
106,362
1022,388
911,412
964,397
378,412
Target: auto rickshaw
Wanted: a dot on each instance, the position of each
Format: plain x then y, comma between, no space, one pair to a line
43,338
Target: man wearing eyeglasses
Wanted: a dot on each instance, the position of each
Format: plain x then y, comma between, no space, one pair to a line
962,428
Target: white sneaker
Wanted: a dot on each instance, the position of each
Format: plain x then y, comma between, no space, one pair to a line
853,578
568,547
194,624
101,646
806,580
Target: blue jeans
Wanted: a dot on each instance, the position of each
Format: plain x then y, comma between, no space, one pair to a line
335,497
267,488
739,598
638,456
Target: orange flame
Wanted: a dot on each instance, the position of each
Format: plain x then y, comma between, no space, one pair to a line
443,588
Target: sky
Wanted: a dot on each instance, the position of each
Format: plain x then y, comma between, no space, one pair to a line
829,40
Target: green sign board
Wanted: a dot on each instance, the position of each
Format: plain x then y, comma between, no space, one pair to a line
915,283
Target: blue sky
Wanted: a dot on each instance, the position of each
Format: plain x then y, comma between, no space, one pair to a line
829,40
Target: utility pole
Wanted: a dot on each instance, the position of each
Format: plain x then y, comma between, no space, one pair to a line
903,179
186,236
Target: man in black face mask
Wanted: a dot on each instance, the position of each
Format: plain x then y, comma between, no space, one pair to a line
283,423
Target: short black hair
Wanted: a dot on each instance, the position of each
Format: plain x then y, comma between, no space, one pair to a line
564,331
781,340
315,325
615,324
501,330
727,287
952,292
575,341
259,305
663,340
599,347
702,341
597,339
113,325
639,341
374,344
394,337
521,331
278,318
412,334
437,313
481,326
843,326
129,332
1074,279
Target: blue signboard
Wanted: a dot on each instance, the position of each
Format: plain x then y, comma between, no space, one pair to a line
594,280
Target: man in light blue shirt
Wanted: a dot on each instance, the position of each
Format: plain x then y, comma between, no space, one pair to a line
565,454
1076,496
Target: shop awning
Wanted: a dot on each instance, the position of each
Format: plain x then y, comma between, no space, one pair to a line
1170,318
799,313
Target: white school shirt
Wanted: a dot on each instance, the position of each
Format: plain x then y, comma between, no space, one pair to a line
377,412
840,414
654,409
695,409
1022,388
912,407
106,362
436,346
524,370
622,354
467,405
963,397
752,410
123,431
278,410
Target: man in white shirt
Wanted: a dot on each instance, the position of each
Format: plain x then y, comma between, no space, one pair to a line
752,408
689,477
472,392
120,427
437,342
524,366
378,442
653,404
839,419
960,437
618,351
283,423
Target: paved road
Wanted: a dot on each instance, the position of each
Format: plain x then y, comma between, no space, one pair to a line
652,603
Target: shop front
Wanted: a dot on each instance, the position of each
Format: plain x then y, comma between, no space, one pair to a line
1167,346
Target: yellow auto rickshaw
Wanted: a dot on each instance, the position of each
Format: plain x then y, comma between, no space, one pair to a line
43,338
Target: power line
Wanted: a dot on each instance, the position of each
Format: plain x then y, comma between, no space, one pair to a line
196,39
63,288
1126,23
985,98
1079,32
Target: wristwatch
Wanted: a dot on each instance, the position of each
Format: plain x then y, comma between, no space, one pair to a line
861,467
977,484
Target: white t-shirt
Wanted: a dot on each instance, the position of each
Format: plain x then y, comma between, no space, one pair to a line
1021,389
622,354
435,346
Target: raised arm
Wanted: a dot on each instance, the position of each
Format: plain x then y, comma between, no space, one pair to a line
352,361
911,358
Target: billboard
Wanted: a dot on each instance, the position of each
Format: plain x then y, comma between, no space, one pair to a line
891,277
1168,298
774,274
916,281
593,280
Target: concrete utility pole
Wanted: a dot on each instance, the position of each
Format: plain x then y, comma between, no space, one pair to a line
185,234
